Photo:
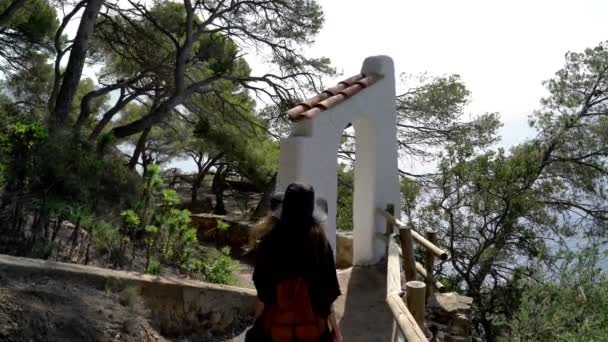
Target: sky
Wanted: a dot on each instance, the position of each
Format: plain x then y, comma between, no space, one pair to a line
503,50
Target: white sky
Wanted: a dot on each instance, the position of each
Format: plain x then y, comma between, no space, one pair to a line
502,49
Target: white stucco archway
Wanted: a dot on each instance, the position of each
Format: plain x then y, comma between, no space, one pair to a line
310,155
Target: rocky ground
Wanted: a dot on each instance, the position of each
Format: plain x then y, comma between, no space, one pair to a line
45,309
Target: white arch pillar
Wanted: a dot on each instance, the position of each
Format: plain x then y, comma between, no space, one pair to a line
310,155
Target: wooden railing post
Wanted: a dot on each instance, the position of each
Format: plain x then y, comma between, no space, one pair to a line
407,249
429,262
415,292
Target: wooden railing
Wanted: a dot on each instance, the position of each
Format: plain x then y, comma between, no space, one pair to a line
409,318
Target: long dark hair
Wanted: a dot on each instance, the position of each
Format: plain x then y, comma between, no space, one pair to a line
297,242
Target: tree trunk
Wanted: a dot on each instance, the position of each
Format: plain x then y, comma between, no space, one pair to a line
141,144
56,229
73,71
200,177
196,184
88,250
217,187
264,205
107,117
155,116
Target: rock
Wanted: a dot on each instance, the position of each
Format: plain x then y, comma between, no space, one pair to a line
215,317
448,317
344,249
131,326
233,233
450,302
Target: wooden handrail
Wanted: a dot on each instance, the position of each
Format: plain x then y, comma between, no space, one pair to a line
440,253
424,274
405,321
429,279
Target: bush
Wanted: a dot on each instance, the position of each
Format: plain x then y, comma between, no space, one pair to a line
107,240
220,268
344,219
571,308
222,226
42,249
154,267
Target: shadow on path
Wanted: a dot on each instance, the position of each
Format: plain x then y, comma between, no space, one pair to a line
362,310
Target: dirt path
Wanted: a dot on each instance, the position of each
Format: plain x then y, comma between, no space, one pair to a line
362,311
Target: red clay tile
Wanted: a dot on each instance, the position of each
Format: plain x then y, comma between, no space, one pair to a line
332,101
335,89
308,114
330,97
311,102
349,81
366,81
352,90
295,111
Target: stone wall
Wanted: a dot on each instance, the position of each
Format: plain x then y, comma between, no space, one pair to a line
237,231
235,234
344,249
177,307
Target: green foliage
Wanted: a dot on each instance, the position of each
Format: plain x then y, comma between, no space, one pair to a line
410,190
27,32
36,20
153,178
107,240
178,238
130,218
154,267
237,132
170,197
222,226
220,268
60,175
494,209
42,249
430,117
344,220
573,307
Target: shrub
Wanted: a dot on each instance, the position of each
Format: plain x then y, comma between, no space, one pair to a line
222,226
42,249
107,240
154,267
572,308
220,268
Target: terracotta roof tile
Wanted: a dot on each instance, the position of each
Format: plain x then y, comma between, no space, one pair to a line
351,80
332,101
331,97
299,109
316,99
352,90
336,89
307,114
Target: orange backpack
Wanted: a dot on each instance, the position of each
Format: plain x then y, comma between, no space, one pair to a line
291,317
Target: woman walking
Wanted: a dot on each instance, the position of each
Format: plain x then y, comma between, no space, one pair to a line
295,275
